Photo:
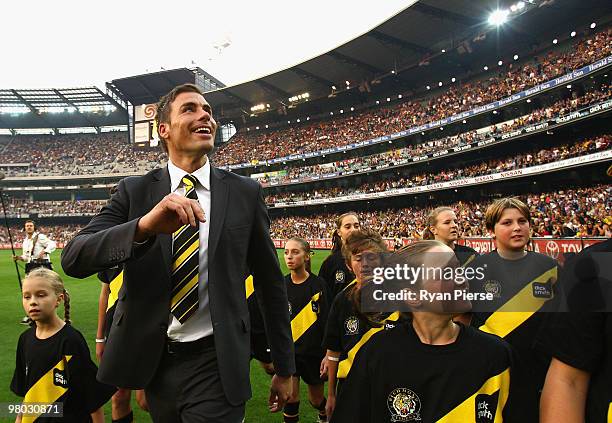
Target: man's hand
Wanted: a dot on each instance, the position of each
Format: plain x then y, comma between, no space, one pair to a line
17,258
41,255
172,212
280,391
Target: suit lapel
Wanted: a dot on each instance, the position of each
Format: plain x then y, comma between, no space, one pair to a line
159,189
219,195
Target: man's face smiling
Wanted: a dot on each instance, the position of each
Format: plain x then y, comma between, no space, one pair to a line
191,130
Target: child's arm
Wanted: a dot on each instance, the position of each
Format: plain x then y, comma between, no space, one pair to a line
98,416
102,304
18,418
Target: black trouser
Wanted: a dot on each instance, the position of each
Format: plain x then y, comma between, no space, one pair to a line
35,264
187,387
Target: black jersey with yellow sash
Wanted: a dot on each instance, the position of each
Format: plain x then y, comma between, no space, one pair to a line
308,309
260,348
347,331
464,254
583,339
335,273
58,369
522,291
112,277
397,378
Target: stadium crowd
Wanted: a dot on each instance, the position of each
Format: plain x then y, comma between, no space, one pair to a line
82,154
247,147
526,159
583,212
403,155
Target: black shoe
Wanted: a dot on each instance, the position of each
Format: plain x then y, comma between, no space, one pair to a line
25,321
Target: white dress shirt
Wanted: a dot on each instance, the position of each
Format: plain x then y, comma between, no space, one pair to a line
199,324
43,243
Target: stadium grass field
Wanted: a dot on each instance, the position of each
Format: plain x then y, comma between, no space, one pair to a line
84,301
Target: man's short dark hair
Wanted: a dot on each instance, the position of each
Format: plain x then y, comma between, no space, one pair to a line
164,107
29,221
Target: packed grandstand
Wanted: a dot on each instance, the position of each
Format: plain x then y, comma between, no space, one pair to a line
535,126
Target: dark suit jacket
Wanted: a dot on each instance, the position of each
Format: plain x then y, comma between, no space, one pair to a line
239,243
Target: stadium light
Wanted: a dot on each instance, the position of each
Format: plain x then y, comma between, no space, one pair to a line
593,25
393,71
453,79
352,109
298,121
399,96
377,102
347,83
388,98
528,100
331,113
440,84
299,97
443,51
428,87
257,127
494,112
568,86
555,41
515,57
486,68
573,34
333,87
308,118
341,111
500,63
498,17
266,126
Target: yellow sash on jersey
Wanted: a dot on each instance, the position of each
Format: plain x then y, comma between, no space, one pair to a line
44,390
610,413
345,365
304,319
114,287
248,286
466,411
469,260
506,319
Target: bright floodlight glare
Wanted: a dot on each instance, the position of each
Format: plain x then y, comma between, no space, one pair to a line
453,79
573,34
498,17
428,87
520,5
515,57
486,68
440,84
593,25
555,41
500,63
333,87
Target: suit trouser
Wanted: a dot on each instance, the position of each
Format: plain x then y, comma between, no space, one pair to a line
187,389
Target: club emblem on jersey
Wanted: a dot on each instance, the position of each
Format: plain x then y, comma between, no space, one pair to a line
340,276
493,287
404,405
389,325
486,406
315,306
290,309
59,378
351,325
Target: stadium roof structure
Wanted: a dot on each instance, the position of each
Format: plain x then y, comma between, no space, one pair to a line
401,49
148,88
55,108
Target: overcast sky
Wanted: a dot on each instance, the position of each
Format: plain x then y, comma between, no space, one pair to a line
65,43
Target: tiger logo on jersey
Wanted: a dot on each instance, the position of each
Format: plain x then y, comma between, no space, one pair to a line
493,287
340,276
351,325
404,405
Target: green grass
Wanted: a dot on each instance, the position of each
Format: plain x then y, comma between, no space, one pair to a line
84,309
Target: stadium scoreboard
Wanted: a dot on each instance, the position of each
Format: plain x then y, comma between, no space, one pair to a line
144,129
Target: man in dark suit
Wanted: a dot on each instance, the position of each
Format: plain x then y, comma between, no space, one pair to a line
187,236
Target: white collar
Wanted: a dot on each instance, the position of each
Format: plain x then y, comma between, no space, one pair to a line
176,175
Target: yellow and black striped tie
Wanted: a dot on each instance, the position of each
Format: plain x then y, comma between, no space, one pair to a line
185,263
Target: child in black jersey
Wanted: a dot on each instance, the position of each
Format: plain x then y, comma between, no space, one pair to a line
333,270
53,364
308,312
523,286
429,368
112,281
442,225
347,329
